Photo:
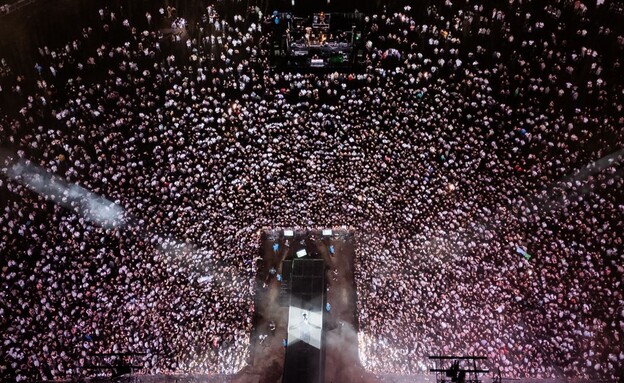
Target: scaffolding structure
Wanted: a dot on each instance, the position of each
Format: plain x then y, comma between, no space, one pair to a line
457,369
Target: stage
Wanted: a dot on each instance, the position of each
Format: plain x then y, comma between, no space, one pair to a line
304,348
305,288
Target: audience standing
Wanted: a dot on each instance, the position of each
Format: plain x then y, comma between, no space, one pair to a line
475,128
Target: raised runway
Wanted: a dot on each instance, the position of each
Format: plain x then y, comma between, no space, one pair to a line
293,290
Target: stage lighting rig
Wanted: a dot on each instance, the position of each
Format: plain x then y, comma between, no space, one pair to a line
462,369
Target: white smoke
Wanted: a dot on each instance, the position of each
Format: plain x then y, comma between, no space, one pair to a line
92,207
581,177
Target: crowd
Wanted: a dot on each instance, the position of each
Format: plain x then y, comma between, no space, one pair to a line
489,128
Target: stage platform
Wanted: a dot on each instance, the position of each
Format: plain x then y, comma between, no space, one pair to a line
304,351
299,273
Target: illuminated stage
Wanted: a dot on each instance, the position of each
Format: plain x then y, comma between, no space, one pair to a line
305,327
304,352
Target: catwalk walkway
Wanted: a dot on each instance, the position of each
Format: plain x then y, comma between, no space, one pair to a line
338,352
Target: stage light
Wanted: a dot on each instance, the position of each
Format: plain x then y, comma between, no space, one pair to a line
92,207
305,326
289,233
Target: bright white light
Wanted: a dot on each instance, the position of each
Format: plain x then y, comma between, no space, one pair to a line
92,207
289,233
302,253
305,326
327,232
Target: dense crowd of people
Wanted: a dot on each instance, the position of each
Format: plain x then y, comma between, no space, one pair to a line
477,154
